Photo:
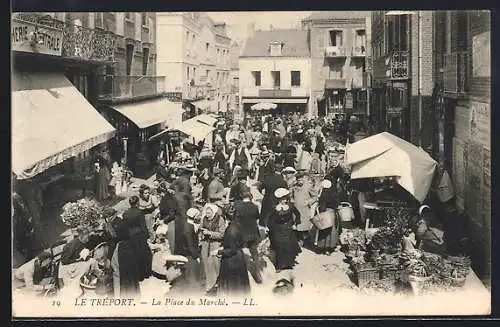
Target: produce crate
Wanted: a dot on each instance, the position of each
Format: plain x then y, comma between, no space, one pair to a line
366,273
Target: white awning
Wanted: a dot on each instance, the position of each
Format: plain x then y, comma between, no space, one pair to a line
276,100
203,104
151,112
206,119
194,128
51,122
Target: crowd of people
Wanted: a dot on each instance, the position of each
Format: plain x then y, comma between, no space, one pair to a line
216,213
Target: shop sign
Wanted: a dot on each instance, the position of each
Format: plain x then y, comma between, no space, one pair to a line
480,123
348,101
399,65
34,38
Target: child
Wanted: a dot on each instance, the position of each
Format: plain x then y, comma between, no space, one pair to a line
100,271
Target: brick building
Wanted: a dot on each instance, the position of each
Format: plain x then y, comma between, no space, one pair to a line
403,73
462,118
195,52
339,54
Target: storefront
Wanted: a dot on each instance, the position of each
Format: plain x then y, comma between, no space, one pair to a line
283,106
136,123
52,126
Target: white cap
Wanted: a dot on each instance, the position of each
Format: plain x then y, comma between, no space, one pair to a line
192,212
281,192
175,258
326,183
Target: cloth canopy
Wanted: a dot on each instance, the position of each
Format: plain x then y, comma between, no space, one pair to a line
51,122
194,128
385,155
206,119
151,112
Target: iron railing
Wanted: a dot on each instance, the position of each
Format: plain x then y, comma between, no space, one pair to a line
455,72
335,52
400,68
128,87
78,42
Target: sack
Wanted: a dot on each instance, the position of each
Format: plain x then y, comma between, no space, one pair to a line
324,220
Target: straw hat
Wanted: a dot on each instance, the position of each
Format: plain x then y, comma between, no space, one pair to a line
192,212
162,230
289,170
326,183
281,193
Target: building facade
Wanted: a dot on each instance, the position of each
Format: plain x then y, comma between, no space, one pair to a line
339,52
274,67
403,73
462,117
195,51
234,77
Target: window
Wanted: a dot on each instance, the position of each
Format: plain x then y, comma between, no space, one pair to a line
295,77
129,57
361,40
461,30
144,19
207,46
275,48
194,72
187,35
336,38
275,75
256,77
187,73
194,39
145,60
128,15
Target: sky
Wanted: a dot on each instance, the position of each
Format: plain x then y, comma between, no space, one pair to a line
237,22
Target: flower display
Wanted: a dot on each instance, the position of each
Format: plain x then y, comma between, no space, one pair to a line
82,213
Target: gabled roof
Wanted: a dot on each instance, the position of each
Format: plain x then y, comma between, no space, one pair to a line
295,43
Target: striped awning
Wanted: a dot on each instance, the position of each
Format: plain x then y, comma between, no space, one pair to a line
51,122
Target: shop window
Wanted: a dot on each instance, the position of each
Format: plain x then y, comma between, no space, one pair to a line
145,60
256,77
295,77
129,57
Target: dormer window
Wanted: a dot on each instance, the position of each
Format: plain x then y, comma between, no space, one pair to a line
275,48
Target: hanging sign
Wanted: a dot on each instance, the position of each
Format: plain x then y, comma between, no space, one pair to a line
35,38
348,101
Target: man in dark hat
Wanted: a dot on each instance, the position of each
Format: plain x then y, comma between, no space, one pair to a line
270,184
169,208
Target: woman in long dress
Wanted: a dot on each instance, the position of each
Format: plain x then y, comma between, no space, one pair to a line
304,196
211,233
282,225
326,240
233,275
117,178
148,204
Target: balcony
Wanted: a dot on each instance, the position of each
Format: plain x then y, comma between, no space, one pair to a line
455,73
399,65
358,52
78,42
120,88
275,93
335,52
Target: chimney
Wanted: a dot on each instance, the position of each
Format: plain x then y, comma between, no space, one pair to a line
250,30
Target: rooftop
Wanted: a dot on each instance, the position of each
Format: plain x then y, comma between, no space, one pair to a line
320,15
295,43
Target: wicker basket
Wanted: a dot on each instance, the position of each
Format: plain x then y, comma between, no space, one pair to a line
455,282
365,273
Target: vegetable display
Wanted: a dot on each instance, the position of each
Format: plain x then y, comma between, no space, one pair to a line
82,213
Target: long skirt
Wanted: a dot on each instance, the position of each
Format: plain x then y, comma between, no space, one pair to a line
70,275
143,255
326,239
285,245
233,276
210,264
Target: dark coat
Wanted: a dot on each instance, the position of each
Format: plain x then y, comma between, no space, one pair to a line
283,238
247,214
233,276
270,184
169,208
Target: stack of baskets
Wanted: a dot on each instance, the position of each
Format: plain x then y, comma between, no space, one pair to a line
372,272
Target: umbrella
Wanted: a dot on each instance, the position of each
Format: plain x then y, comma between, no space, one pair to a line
264,106
384,154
